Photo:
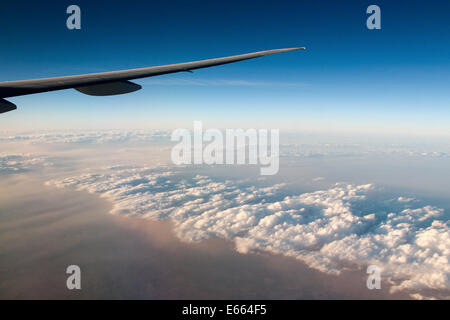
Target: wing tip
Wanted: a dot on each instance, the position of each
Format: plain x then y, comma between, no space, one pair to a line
283,50
296,48
273,51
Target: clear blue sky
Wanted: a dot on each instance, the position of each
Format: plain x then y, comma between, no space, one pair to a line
350,78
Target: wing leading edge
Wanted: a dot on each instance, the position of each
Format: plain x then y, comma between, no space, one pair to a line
114,82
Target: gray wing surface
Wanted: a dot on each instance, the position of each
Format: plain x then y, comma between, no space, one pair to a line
115,82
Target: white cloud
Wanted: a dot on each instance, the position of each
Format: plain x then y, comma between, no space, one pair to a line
328,229
292,151
95,137
351,150
21,162
404,199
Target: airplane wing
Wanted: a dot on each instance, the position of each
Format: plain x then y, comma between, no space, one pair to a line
115,82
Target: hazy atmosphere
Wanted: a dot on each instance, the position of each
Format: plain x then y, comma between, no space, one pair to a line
361,158
308,232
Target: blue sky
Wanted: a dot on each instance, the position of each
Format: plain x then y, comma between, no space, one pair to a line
350,78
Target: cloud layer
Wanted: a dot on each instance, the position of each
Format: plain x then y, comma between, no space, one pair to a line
95,137
344,226
307,149
21,162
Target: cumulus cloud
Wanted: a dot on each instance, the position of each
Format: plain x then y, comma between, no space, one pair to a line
21,162
405,199
346,225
